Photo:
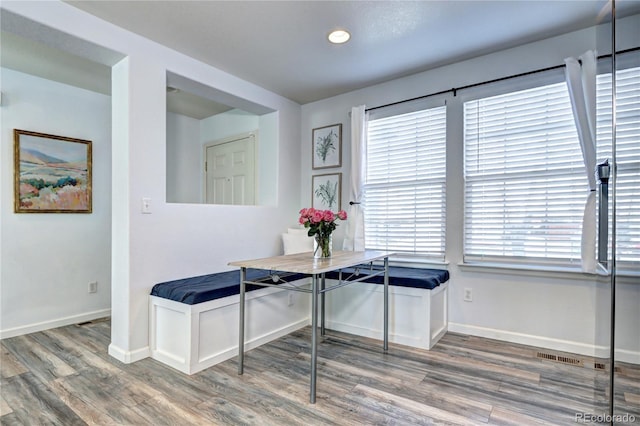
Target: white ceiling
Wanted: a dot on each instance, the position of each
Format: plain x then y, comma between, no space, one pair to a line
281,45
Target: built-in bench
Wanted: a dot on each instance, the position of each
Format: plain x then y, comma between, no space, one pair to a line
194,321
418,306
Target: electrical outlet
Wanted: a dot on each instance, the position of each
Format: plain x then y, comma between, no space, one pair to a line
290,300
468,295
93,287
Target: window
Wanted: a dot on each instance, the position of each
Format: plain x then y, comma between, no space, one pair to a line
627,156
525,185
404,192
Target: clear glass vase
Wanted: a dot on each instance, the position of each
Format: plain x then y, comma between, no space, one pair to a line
322,246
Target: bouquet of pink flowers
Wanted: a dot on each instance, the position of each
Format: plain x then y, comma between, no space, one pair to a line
321,224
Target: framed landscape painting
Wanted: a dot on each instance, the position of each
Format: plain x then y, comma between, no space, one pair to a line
52,174
327,146
326,191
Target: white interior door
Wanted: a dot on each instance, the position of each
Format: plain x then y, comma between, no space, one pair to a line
230,171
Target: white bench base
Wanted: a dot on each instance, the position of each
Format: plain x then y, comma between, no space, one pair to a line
191,338
417,317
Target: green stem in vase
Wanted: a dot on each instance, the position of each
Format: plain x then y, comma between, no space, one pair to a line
326,249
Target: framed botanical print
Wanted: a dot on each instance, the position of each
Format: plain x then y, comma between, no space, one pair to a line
326,191
327,146
52,174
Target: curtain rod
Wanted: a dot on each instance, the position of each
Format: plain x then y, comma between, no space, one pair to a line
455,90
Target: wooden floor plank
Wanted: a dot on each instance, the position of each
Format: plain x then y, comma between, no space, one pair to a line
11,420
407,411
9,365
4,407
166,411
34,403
430,394
505,417
43,363
632,398
85,337
361,373
65,376
96,396
84,409
263,402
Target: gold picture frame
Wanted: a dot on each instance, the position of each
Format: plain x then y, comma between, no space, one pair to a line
52,174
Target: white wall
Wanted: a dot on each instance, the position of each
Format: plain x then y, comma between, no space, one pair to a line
269,161
175,240
184,159
564,311
49,259
227,124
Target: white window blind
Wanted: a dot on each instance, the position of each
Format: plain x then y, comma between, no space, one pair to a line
627,156
525,185
405,183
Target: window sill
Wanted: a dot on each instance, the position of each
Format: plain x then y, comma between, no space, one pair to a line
534,270
628,275
623,276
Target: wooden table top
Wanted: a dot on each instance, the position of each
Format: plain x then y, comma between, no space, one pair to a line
305,263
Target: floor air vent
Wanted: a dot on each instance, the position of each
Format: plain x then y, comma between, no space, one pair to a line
547,356
561,358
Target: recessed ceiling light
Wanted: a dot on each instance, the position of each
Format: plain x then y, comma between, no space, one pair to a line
339,36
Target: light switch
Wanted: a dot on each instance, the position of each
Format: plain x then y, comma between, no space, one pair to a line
146,205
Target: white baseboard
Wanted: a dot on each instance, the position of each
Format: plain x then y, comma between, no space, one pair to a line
59,322
622,355
532,340
631,357
128,357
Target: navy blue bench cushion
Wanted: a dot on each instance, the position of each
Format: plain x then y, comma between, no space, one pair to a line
203,288
402,277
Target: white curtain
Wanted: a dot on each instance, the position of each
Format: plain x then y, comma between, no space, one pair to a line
581,80
354,238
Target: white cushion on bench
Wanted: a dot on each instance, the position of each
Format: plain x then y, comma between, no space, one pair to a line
296,240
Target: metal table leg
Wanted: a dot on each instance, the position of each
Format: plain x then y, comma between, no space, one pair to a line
386,304
314,337
322,287
243,276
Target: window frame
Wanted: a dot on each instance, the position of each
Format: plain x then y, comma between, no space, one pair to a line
508,86
395,111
